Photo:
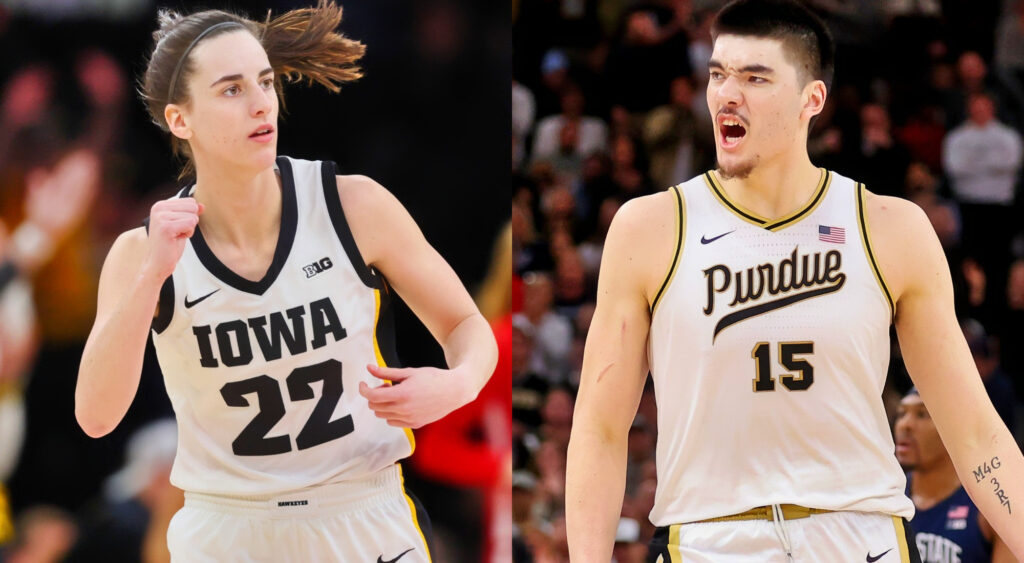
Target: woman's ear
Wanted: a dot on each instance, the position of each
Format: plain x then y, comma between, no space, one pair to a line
176,121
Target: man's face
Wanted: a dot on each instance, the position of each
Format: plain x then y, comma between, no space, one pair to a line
757,102
918,445
981,110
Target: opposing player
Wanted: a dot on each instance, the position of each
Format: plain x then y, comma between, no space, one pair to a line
760,296
947,526
266,285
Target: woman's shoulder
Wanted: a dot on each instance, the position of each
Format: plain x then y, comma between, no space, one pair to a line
362,193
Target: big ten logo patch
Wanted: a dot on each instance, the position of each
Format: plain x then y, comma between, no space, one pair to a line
317,267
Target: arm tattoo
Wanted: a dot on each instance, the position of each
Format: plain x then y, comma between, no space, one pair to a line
988,468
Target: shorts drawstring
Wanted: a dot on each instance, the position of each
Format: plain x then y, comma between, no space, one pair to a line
781,530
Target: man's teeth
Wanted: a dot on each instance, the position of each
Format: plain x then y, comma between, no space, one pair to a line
728,121
732,139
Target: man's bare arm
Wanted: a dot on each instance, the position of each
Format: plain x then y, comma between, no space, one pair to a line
1000,552
614,370
984,453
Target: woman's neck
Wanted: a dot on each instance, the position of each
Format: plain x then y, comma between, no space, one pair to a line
240,209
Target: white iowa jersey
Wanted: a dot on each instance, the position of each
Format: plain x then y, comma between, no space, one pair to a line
769,347
264,375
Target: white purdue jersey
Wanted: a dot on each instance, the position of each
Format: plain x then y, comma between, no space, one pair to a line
264,375
769,347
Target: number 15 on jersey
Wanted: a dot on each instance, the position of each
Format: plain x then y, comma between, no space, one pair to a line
788,352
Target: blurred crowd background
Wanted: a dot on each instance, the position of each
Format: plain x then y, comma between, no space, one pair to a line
608,103
80,163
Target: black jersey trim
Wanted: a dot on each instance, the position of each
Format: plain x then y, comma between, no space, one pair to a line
421,520
285,238
865,236
819,195
905,540
366,274
680,229
165,306
384,332
709,178
772,225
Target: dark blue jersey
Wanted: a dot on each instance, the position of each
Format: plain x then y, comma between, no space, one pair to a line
948,532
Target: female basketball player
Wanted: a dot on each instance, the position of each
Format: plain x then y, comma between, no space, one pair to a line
265,284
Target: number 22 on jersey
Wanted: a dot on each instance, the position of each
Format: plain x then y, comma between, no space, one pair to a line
319,428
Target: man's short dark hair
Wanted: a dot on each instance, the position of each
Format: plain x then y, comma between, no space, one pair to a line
805,38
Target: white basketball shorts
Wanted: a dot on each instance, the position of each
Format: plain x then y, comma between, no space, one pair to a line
371,519
834,537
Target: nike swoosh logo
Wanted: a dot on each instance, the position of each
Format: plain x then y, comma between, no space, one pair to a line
380,558
877,557
744,314
190,304
706,240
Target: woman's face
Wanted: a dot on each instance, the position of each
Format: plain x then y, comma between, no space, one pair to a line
232,113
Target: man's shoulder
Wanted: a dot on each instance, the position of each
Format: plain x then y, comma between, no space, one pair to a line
886,208
643,235
639,211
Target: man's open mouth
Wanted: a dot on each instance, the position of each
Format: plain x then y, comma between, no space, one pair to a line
731,130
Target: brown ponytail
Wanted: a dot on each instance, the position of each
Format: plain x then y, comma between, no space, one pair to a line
303,44
300,44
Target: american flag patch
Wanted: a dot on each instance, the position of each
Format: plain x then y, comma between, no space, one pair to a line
957,512
831,234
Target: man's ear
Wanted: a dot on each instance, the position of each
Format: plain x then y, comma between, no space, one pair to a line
177,123
815,95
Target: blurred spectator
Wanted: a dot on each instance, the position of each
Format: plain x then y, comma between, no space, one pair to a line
557,421
130,523
528,388
554,69
639,446
45,534
524,110
628,547
997,383
974,78
921,187
55,203
552,332
1011,326
642,63
629,167
947,525
700,49
570,282
679,138
882,163
568,137
982,158
523,485
922,134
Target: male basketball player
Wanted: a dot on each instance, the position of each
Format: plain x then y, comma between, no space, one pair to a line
760,296
947,526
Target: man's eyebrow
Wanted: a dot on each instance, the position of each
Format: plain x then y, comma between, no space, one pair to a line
233,77
754,68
